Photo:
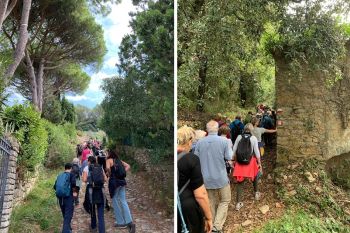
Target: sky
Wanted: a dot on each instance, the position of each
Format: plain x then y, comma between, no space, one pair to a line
115,26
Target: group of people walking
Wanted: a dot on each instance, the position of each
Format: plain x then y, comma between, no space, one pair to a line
208,160
95,167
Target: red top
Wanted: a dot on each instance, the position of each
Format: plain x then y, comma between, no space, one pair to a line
85,153
242,171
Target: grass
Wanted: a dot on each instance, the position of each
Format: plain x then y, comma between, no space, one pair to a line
316,206
302,222
40,211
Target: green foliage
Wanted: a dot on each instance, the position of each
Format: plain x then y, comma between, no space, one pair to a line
52,110
30,131
323,203
301,222
221,62
60,33
68,110
70,78
138,107
59,111
227,49
40,211
102,6
62,142
88,119
309,35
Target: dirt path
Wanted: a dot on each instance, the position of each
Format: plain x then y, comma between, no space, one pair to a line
147,216
250,214
147,213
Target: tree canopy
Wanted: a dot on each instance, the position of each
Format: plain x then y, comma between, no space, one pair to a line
139,101
227,49
88,119
63,38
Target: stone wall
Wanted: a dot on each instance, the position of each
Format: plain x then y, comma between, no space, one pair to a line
161,176
23,187
16,189
10,187
312,122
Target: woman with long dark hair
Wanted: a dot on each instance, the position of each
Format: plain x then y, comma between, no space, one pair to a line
116,171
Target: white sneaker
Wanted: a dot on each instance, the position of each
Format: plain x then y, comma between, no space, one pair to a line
257,196
239,205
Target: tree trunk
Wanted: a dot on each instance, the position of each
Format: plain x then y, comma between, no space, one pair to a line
33,83
202,78
22,41
40,83
3,10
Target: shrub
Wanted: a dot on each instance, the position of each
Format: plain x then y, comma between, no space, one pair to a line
70,130
30,131
61,145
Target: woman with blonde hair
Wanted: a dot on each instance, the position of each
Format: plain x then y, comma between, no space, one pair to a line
246,167
193,202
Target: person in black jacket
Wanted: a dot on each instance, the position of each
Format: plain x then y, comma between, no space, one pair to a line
116,170
96,194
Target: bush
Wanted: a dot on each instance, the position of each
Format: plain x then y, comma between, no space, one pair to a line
70,130
30,131
61,144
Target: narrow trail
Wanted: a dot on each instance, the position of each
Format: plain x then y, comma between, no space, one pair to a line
147,214
249,217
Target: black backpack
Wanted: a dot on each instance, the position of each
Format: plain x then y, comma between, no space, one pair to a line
76,171
244,150
119,169
96,178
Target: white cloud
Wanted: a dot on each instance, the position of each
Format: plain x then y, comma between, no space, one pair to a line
111,62
77,97
96,81
120,18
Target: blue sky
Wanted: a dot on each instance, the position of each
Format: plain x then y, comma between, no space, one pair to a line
115,26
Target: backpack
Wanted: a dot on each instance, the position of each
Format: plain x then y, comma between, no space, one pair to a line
96,178
244,150
266,122
76,171
120,172
62,185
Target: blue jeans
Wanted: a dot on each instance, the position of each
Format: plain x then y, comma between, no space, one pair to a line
100,214
83,165
67,209
120,206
